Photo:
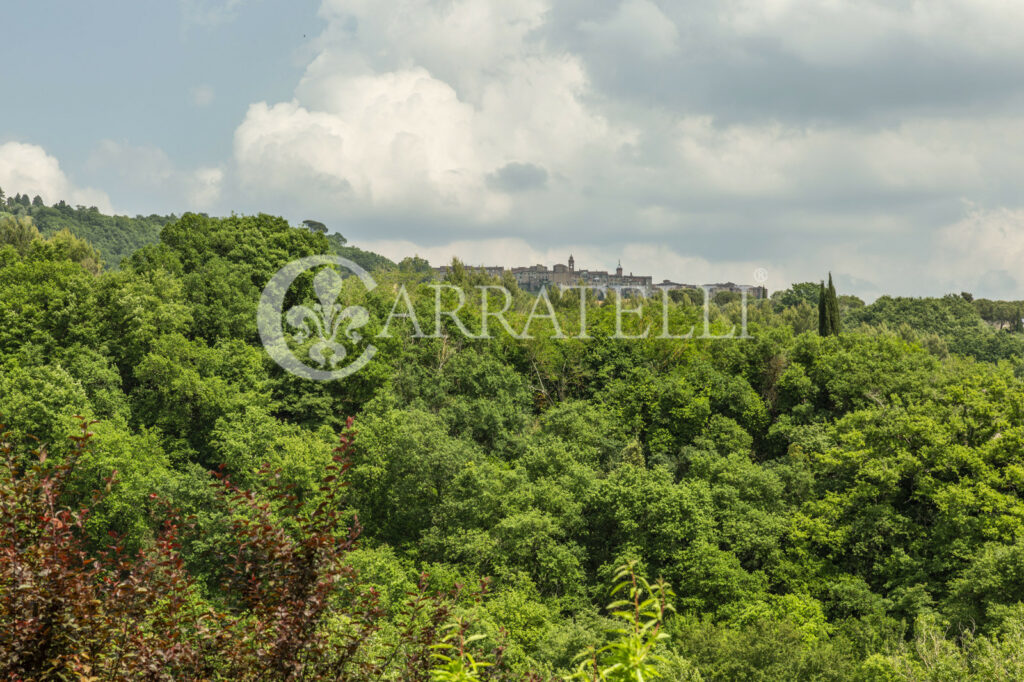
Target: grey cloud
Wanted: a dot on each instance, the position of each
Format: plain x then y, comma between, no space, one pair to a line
751,77
518,177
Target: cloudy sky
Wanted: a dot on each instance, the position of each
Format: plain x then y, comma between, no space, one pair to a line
880,139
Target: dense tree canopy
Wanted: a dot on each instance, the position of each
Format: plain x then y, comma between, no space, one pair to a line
820,507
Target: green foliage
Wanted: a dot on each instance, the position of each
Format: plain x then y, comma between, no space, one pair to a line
632,655
834,323
454,663
42,400
829,323
828,506
66,246
956,321
134,466
415,264
367,260
130,614
113,237
19,232
317,226
803,292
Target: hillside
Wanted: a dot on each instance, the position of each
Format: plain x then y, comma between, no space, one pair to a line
116,237
845,507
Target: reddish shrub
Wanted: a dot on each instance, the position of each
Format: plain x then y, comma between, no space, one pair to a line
67,615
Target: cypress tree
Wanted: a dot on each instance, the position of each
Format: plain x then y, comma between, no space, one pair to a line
833,308
828,309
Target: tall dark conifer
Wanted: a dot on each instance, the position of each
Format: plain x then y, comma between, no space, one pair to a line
828,309
833,308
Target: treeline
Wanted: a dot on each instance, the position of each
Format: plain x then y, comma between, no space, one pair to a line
839,507
953,323
114,237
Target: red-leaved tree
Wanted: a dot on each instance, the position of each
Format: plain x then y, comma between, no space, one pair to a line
66,614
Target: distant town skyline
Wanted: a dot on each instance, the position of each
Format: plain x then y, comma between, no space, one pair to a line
535,277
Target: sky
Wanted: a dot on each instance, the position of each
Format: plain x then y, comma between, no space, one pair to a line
697,141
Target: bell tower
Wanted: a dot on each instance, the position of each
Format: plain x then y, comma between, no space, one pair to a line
618,269
572,263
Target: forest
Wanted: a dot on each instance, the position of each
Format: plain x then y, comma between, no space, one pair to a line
809,503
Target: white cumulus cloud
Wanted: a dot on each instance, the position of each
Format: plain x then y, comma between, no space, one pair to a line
458,92
982,253
28,169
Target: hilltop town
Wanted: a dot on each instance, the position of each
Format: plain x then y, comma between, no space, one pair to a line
535,277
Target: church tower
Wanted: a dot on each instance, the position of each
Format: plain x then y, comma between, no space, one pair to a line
618,269
572,263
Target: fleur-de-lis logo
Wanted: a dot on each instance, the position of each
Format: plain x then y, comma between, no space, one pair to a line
326,322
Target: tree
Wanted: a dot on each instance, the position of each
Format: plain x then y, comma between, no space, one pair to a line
801,292
835,325
828,309
415,264
19,232
315,226
66,246
368,260
115,237
298,610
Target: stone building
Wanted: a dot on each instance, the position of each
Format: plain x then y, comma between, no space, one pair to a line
752,292
534,277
